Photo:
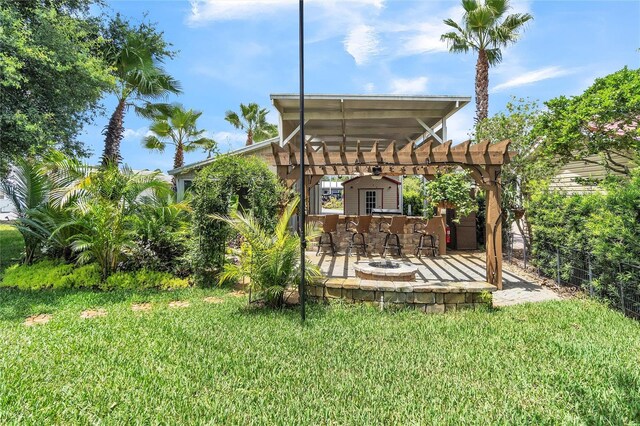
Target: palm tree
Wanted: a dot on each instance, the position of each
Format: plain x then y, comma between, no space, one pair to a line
174,125
485,31
139,78
253,120
271,260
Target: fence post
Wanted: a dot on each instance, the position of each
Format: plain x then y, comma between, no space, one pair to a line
558,265
624,311
524,250
590,274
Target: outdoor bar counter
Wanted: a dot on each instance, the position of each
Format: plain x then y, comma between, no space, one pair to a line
375,238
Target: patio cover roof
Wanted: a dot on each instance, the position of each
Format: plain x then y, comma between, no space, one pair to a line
346,119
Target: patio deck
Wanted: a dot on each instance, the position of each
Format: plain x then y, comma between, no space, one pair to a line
455,273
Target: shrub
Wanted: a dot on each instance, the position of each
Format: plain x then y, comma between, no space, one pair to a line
229,179
49,274
412,195
271,260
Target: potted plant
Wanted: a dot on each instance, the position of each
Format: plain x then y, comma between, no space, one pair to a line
452,191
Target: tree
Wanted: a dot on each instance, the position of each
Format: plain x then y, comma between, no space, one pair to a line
52,76
136,55
485,31
604,121
518,178
175,125
253,120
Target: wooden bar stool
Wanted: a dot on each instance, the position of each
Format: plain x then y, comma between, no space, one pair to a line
421,229
329,227
393,230
361,228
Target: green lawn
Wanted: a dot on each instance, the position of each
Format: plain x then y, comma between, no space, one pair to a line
573,362
11,246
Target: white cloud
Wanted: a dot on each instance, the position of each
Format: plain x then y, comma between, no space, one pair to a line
203,11
534,76
408,86
369,87
228,141
136,134
362,43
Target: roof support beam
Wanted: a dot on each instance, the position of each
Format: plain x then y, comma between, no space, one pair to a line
292,134
363,115
429,130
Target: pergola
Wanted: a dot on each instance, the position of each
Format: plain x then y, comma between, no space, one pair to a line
389,135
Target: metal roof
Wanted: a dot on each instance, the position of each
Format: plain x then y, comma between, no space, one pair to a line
335,119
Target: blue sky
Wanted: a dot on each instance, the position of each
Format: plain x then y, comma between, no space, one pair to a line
234,51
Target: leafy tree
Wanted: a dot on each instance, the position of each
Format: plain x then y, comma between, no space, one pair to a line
412,195
272,261
485,29
253,120
519,177
451,189
136,55
174,125
52,76
604,120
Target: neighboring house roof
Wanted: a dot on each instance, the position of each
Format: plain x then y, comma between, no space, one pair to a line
244,150
383,177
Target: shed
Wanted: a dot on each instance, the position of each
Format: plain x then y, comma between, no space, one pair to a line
362,194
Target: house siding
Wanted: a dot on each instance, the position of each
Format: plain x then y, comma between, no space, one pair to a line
390,193
565,178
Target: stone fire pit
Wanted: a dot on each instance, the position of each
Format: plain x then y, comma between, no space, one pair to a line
385,270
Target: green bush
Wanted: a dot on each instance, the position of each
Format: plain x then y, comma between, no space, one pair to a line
451,188
246,181
601,228
49,274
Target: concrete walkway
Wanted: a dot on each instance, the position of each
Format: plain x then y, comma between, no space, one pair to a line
460,266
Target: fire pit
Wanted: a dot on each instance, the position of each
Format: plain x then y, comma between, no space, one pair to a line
385,270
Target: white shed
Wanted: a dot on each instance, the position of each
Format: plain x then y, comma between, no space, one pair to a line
364,193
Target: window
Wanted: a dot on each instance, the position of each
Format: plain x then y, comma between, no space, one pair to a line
187,184
369,201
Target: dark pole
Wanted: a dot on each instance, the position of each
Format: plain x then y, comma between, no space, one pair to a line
301,208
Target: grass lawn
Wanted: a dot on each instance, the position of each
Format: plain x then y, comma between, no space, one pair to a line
11,246
573,362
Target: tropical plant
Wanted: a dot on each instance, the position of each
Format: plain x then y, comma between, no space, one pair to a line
104,205
271,261
139,79
253,120
27,188
177,126
451,190
485,30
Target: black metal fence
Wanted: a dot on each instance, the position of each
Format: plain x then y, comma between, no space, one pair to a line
617,283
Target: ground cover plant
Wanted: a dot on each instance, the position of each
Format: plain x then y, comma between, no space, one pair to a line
195,362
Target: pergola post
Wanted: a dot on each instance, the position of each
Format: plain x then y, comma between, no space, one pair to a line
493,228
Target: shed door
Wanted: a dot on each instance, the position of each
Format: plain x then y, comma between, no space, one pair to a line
370,199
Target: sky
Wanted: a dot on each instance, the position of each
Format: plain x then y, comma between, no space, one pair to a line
233,51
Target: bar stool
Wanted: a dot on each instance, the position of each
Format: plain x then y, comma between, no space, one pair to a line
421,229
393,229
361,228
329,227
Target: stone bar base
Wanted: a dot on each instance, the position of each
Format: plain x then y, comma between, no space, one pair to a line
430,297
375,238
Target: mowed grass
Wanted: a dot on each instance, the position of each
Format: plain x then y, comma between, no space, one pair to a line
572,362
11,246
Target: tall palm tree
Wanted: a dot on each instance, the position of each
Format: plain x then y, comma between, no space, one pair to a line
253,120
175,125
485,31
139,79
